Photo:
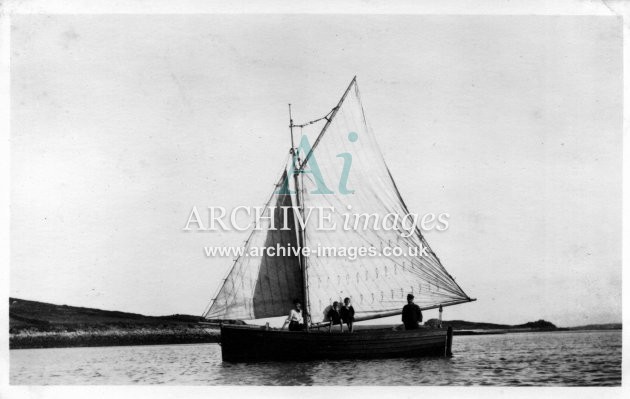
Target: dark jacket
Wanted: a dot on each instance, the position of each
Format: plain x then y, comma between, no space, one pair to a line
411,316
347,314
334,316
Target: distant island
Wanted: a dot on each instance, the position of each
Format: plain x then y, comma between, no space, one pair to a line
35,324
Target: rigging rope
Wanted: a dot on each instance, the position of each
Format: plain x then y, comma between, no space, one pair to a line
316,120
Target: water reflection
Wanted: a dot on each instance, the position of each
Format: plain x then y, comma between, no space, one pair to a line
269,373
559,358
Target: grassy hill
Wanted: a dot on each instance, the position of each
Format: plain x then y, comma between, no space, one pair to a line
43,325
24,314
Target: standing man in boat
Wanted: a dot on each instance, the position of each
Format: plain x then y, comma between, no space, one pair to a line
347,314
296,318
411,314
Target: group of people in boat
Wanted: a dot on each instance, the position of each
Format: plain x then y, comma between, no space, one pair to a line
340,315
336,316
344,314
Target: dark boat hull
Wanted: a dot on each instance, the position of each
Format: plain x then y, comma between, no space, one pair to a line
246,343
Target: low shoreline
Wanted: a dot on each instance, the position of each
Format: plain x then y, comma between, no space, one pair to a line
157,336
111,337
509,330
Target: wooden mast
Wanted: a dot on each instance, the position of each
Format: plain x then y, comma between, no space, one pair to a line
301,238
298,166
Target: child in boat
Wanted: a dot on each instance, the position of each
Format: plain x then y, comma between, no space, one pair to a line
347,313
334,317
296,318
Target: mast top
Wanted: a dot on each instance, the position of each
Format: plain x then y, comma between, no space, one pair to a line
329,119
291,129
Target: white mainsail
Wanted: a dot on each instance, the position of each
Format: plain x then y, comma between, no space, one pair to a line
259,287
377,285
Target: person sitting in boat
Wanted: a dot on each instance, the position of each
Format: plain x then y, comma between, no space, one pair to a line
334,316
347,313
411,314
296,318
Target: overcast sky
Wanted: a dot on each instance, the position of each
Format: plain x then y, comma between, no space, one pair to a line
512,125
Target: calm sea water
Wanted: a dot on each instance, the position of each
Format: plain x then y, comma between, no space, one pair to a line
554,358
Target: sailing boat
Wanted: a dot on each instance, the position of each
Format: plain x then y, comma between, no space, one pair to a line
259,287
